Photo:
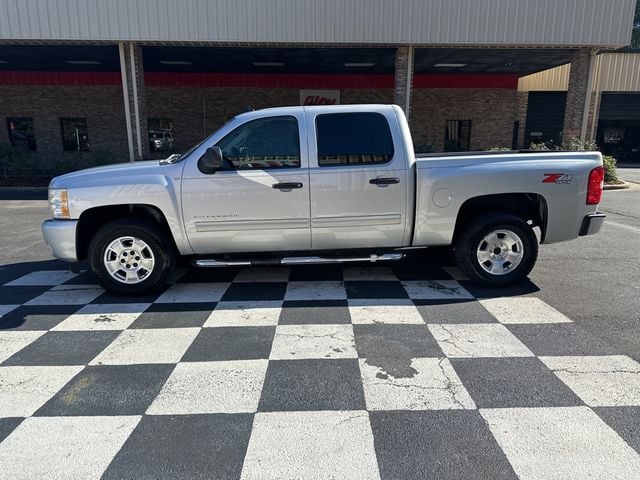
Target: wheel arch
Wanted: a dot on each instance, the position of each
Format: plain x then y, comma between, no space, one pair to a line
91,220
530,207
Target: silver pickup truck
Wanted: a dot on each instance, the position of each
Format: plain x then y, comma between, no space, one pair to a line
320,184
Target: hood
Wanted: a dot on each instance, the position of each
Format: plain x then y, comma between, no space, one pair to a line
116,173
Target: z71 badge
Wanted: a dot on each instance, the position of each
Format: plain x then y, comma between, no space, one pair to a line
560,178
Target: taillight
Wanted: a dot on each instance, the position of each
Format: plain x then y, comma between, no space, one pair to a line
594,188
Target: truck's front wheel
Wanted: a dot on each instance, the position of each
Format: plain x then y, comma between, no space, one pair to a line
497,249
131,256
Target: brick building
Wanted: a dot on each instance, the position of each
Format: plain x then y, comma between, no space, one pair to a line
132,80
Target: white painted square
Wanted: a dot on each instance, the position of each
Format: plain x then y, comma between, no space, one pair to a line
599,381
68,295
42,278
430,384
391,311
64,447
519,310
311,445
25,389
364,273
455,273
212,387
478,340
14,341
293,342
154,345
245,314
4,309
262,275
561,443
103,317
315,291
436,290
193,292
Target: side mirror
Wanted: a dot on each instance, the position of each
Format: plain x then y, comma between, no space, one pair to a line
211,161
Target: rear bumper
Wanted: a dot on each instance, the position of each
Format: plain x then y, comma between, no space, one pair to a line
60,236
591,224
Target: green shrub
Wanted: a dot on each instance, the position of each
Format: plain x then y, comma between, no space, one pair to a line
610,170
574,144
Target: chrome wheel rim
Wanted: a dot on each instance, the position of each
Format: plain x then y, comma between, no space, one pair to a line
129,260
500,252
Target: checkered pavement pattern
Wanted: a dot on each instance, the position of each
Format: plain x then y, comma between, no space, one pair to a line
316,372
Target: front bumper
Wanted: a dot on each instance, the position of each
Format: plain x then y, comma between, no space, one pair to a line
591,224
60,236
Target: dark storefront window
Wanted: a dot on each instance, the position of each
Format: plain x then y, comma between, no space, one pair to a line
21,133
75,134
160,134
457,136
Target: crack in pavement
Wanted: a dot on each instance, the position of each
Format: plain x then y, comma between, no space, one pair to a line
451,339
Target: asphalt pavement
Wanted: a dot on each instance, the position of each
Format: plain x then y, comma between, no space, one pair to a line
394,371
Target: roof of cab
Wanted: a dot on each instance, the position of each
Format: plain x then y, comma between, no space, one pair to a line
316,109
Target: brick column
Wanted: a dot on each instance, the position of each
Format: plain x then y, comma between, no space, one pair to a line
580,80
134,97
403,78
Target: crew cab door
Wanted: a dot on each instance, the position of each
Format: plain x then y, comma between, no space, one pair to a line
359,179
259,200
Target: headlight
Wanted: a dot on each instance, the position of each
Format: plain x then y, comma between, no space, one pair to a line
59,203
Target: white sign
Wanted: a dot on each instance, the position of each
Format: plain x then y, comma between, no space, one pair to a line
319,97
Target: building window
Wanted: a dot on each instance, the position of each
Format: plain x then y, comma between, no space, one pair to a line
75,134
272,142
613,135
457,136
21,133
160,134
353,139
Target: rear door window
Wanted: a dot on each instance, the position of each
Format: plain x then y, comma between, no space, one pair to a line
346,139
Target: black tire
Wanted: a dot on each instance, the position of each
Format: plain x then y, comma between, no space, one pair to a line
468,241
158,242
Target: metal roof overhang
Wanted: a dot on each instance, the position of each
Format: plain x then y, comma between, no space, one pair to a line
247,60
514,23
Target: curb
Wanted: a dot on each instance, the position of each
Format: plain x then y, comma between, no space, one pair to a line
622,186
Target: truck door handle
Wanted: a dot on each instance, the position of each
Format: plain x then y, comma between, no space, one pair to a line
384,181
287,185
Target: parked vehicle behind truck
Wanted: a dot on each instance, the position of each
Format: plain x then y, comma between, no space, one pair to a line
320,184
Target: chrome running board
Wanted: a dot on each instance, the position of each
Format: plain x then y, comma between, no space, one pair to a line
373,258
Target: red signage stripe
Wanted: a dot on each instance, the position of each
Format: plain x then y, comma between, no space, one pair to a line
268,80
12,77
255,80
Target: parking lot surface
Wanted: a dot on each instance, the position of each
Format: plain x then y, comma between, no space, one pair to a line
404,371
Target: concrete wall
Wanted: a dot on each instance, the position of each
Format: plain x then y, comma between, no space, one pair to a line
196,112
102,106
491,111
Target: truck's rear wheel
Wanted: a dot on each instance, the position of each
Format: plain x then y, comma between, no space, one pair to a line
497,249
131,256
